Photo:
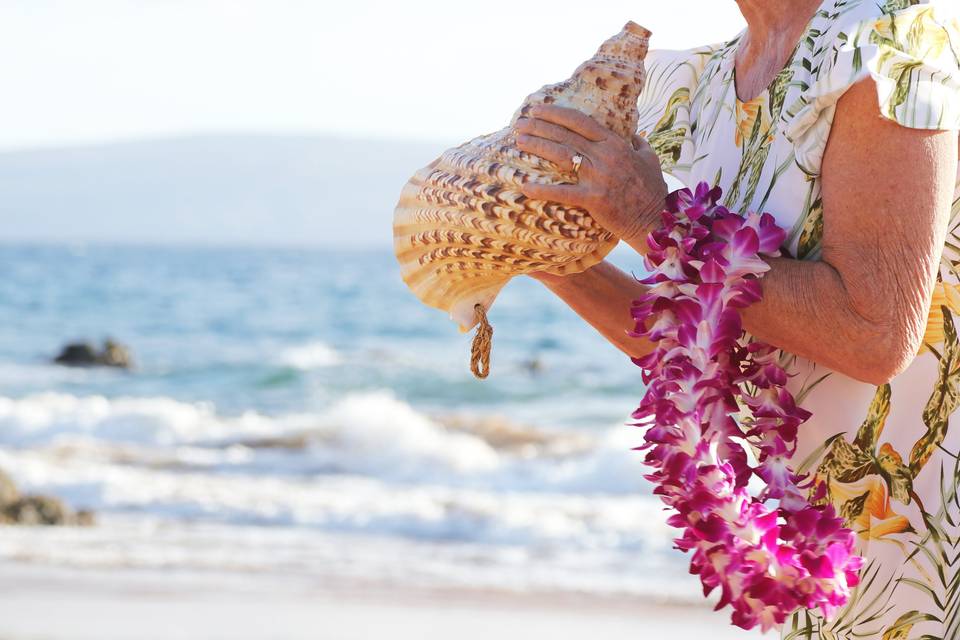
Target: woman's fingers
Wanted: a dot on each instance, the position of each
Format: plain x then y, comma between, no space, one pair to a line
571,119
560,155
569,194
553,133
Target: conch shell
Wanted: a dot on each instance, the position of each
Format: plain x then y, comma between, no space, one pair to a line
463,229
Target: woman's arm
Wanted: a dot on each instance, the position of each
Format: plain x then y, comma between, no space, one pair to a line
887,195
862,309
603,295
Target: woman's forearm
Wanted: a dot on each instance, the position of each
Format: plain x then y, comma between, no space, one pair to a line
602,296
805,310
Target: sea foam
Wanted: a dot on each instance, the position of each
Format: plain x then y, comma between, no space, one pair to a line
371,434
312,355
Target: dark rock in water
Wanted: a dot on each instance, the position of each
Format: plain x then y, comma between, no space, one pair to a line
84,354
38,510
8,490
78,354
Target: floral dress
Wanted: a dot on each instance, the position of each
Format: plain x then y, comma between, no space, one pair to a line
888,455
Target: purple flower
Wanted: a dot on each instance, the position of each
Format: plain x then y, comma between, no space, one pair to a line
708,391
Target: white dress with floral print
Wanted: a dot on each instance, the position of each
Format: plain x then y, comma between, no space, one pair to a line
888,454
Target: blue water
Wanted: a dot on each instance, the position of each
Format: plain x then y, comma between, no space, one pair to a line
213,325
302,411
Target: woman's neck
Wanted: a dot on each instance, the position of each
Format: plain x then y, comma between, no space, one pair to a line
767,19
773,29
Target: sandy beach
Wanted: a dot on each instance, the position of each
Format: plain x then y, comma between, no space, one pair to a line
46,603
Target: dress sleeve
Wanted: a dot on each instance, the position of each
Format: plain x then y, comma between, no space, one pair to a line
664,103
913,54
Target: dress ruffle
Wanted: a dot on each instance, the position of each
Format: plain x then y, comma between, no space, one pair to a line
912,54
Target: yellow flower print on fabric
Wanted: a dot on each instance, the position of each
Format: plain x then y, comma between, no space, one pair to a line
862,478
947,295
868,502
750,114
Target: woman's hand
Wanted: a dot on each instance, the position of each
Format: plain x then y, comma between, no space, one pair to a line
620,185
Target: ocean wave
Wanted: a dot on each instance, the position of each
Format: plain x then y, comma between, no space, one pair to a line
313,355
369,464
471,499
369,434
50,417
364,434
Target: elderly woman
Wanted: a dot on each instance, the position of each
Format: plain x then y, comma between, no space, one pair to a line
839,117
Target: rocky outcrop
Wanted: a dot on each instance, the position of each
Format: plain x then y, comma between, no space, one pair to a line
37,510
84,354
8,490
115,354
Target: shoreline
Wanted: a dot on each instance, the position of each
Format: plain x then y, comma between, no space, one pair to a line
44,602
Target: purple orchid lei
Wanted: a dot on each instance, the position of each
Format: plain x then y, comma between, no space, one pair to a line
709,398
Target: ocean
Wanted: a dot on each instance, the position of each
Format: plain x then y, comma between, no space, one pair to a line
299,413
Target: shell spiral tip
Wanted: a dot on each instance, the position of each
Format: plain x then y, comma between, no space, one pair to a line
637,30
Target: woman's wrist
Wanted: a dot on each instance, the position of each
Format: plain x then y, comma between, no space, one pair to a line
645,225
645,222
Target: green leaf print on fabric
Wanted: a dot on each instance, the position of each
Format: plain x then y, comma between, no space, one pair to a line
859,620
939,550
945,398
845,462
757,121
904,624
872,428
902,74
896,5
666,139
896,474
950,259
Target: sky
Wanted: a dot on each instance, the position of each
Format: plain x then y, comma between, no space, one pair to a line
107,70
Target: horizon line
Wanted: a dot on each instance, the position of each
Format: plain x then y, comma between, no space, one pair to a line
119,243
201,134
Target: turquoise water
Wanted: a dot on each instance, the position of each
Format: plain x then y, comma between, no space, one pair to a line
305,408
288,330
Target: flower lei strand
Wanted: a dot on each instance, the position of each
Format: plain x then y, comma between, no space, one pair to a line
767,561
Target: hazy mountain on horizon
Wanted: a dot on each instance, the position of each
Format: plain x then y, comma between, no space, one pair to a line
216,189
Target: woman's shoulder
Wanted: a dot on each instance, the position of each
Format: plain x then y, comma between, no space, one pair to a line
908,25
851,38
910,48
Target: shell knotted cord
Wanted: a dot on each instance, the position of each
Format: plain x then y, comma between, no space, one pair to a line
712,393
482,344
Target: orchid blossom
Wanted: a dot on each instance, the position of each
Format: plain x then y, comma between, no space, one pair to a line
712,395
